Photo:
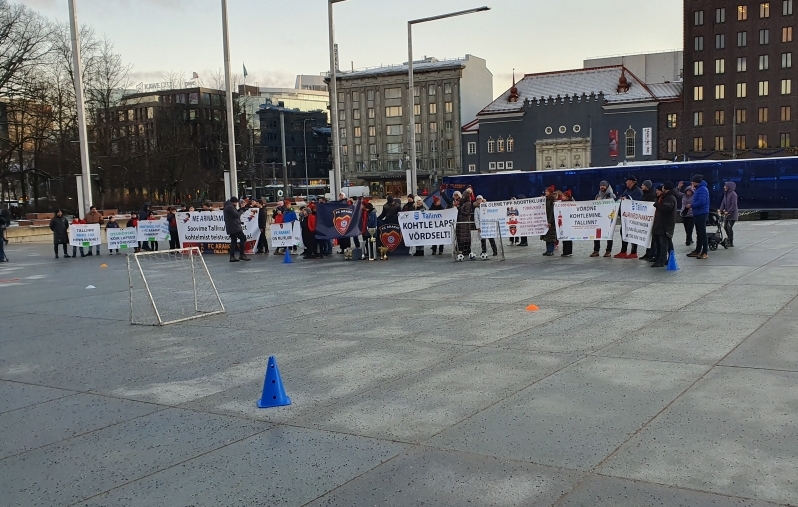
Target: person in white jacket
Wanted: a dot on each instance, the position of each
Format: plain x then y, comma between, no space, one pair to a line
479,200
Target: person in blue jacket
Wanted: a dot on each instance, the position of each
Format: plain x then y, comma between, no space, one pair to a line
635,193
700,207
289,217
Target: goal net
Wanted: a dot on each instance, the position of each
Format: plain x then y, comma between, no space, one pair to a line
170,286
468,241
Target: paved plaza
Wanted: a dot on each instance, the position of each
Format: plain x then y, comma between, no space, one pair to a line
415,381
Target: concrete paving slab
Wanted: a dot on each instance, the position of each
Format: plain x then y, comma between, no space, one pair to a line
591,293
601,491
45,423
747,299
698,338
575,418
453,479
420,406
772,347
281,467
771,275
733,433
661,296
15,395
71,471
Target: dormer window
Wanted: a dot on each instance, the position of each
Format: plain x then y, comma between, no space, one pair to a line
501,145
510,145
491,145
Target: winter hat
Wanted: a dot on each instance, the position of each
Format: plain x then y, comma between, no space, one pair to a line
568,193
410,196
668,185
604,183
631,177
648,184
551,189
698,178
436,199
389,200
479,197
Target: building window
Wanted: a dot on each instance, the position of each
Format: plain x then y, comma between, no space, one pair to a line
698,43
672,120
786,7
472,148
786,86
393,93
449,163
671,145
740,115
341,96
433,108
372,149
394,148
718,143
510,145
508,165
472,168
372,131
500,145
763,115
491,166
742,39
416,91
500,166
786,34
433,127
448,107
720,66
447,87
742,90
630,143
371,113
448,126
742,64
740,142
762,141
698,144
393,111
698,17
344,150
764,36
491,145
720,92
786,113
720,117
720,15
764,10
698,119
417,110
342,115
764,88
418,146
358,149
786,60
698,93
370,95
355,96
698,68
450,144
720,41
742,13
417,128
764,62
784,140
431,90
357,132
342,130
393,130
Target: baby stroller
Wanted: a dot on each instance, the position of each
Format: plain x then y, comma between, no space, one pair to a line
718,238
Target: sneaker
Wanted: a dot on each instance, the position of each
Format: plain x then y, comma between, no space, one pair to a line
658,265
66,256
565,255
233,259
607,254
702,257
693,254
548,254
632,256
594,254
621,255
646,258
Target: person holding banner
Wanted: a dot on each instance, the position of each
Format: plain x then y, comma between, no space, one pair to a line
289,217
232,223
78,221
664,223
465,220
93,217
171,218
605,192
567,246
437,206
700,207
551,236
113,225
419,206
634,193
263,243
308,225
60,227
477,221
650,195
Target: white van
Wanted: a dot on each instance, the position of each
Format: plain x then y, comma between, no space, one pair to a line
356,191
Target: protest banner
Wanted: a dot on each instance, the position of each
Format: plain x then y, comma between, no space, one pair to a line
585,220
206,230
427,227
122,239
389,235
283,235
153,230
637,219
85,235
338,220
516,219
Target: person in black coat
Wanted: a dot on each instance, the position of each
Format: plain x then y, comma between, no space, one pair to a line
649,195
60,227
3,225
263,242
232,223
664,223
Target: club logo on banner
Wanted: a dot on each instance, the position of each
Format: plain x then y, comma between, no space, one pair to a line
206,230
85,235
390,236
338,221
153,230
122,239
515,219
285,236
427,228
342,219
585,220
637,220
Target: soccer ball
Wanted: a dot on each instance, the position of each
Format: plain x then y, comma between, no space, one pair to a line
472,256
484,256
460,257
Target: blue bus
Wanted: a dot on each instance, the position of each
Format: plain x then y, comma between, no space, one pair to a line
762,183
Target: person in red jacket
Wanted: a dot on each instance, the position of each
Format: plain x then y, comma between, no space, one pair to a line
133,222
77,221
308,226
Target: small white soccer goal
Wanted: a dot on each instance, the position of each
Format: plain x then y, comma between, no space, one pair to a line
468,244
170,286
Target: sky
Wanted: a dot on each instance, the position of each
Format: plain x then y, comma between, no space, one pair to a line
278,40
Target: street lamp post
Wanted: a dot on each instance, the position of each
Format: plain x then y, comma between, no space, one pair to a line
305,143
411,87
228,83
77,72
335,187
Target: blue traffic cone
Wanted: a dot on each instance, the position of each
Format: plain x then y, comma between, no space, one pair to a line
672,266
273,390
287,258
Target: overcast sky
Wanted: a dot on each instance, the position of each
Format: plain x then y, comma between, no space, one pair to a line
278,39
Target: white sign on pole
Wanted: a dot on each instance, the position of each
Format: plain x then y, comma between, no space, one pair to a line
637,219
578,220
285,235
122,238
517,219
85,235
427,227
647,141
208,226
153,230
